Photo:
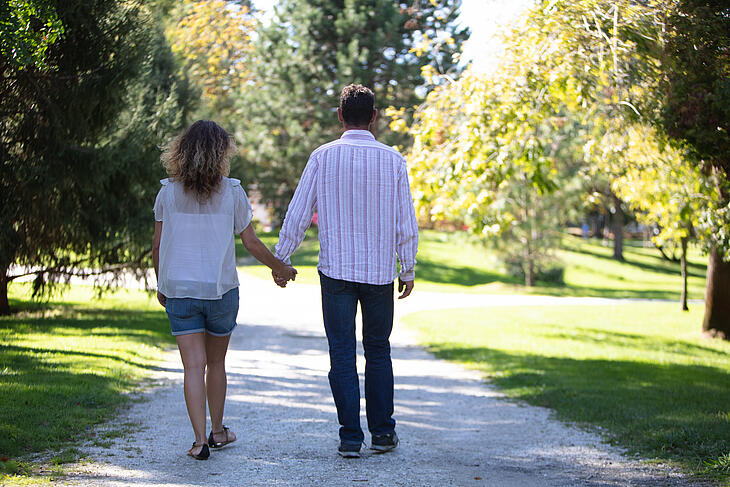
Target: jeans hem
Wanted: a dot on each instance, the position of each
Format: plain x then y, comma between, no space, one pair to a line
222,334
187,332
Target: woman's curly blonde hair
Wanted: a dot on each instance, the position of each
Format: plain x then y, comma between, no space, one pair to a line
199,157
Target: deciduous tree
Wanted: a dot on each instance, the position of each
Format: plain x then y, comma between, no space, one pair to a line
696,114
212,43
482,137
667,193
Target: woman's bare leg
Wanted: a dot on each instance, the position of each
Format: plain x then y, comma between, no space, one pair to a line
216,383
192,350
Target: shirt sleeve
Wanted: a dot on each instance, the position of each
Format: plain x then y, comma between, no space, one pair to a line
299,214
242,211
406,227
159,205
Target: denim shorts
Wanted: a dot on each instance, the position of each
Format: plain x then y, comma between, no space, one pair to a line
214,316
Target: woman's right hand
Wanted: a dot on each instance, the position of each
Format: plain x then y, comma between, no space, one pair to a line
161,298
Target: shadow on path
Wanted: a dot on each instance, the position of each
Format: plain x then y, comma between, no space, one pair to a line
455,431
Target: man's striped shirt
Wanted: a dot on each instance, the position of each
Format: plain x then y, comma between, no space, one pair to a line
360,190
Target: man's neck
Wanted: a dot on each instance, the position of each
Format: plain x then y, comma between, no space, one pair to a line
352,127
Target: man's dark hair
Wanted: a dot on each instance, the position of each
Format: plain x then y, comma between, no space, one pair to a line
356,102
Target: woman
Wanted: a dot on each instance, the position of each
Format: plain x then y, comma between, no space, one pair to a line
197,213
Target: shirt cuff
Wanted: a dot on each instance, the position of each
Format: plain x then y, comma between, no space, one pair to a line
287,261
408,275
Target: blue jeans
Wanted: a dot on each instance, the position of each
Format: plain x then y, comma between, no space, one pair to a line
214,316
339,307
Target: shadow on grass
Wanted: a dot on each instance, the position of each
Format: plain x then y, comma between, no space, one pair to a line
65,367
675,412
429,271
465,276
550,289
657,263
44,405
10,350
634,341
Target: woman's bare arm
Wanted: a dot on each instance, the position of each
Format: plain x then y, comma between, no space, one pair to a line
261,253
156,259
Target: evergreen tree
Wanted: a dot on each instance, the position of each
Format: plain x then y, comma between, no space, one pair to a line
310,51
82,116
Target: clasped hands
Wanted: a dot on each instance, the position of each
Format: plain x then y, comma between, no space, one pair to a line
283,274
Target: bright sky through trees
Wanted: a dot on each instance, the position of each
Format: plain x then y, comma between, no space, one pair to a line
485,18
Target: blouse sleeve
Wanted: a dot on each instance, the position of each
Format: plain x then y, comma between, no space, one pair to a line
159,202
242,211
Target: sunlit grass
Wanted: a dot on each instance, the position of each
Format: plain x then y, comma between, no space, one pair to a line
591,270
71,363
641,371
456,262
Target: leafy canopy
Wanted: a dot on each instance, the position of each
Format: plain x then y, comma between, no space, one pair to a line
309,52
81,122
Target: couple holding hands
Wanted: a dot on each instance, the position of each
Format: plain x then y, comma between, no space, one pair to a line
360,190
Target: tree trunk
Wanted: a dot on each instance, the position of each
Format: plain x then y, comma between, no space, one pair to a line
683,261
529,263
617,224
529,257
4,304
530,272
717,297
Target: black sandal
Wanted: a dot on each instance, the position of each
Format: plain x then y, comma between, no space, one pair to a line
219,444
204,452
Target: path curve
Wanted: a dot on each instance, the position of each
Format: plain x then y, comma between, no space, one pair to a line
455,429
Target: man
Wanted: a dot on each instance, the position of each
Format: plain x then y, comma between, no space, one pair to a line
360,190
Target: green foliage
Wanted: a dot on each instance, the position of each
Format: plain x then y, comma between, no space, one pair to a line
696,93
655,386
68,455
212,43
69,364
506,153
12,467
697,108
78,140
501,151
667,192
27,29
310,51
553,274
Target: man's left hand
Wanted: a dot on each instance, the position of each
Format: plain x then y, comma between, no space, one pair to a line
405,288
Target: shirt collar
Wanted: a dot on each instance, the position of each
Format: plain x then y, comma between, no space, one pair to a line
358,134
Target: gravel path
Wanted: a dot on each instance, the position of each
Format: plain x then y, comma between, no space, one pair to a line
455,430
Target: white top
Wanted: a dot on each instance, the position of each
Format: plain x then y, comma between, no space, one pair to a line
197,249
360,189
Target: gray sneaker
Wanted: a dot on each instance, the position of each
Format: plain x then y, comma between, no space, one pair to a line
384,443
349,450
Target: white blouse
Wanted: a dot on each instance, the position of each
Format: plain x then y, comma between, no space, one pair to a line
197,249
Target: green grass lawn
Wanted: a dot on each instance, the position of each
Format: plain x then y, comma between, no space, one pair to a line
71,363
456,262
641,371
590,270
